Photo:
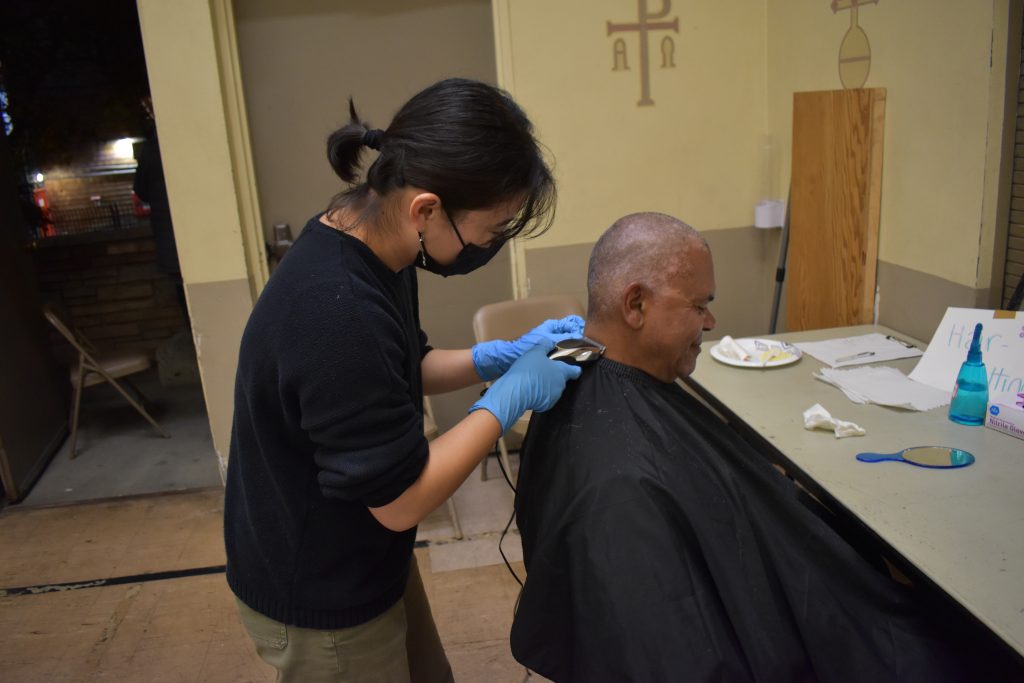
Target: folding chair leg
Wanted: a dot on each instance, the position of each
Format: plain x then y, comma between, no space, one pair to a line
455,518
77,402
134,390
137,406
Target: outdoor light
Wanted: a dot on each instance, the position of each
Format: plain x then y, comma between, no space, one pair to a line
40,177
123,148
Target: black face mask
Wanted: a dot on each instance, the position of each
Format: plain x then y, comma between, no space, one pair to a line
469,259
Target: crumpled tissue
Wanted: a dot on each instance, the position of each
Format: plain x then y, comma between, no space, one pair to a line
730,348
816,417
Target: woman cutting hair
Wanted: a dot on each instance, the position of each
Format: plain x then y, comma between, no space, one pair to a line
329,472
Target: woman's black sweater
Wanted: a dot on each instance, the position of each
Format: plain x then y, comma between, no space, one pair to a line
328,421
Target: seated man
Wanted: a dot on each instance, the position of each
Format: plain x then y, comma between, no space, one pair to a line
659,546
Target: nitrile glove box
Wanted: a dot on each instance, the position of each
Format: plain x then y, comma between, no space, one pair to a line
1006,419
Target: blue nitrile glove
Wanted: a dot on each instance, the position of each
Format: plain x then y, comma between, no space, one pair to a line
534,382
492,359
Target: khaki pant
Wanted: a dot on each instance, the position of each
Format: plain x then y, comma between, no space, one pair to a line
399,646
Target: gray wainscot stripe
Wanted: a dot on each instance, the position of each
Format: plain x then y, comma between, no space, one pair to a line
914,302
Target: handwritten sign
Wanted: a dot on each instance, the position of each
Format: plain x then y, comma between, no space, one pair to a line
1002,351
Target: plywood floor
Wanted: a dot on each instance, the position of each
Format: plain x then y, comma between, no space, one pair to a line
187,628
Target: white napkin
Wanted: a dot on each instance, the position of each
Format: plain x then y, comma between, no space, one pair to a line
731,349
816,417
885,386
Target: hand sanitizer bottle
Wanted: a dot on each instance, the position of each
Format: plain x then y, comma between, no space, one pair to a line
970,395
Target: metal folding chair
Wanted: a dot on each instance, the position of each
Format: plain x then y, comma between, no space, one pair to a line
93,367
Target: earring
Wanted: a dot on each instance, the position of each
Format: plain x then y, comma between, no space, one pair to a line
423,252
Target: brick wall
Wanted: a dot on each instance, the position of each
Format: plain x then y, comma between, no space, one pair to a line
74,210
74,192
109,285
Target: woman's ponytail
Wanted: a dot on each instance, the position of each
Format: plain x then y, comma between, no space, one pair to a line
345,146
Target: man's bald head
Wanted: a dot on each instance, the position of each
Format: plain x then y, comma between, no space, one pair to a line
651,284
648,248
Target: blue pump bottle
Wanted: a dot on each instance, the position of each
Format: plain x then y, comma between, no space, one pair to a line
970,395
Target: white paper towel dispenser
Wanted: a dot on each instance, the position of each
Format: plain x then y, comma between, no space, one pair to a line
769,213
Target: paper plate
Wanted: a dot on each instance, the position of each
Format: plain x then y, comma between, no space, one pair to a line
776,352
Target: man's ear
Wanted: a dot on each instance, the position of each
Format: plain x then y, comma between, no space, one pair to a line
634,305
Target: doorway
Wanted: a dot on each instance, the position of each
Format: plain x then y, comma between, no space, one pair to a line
72,81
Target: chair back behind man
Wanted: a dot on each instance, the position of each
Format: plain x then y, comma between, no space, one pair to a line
513,318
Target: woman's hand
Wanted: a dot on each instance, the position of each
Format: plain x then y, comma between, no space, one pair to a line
493,359
534,382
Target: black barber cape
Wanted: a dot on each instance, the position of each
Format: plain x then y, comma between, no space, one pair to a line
659,546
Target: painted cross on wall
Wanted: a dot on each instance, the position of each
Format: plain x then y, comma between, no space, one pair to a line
646,23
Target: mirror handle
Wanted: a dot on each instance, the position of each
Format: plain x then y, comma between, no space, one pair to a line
878,457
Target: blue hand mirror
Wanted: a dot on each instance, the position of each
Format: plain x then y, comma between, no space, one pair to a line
924,456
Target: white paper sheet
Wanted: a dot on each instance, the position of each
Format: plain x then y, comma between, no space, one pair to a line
885,386
866,348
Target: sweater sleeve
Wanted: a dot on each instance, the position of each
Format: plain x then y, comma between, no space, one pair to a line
425,346
413,274
346,368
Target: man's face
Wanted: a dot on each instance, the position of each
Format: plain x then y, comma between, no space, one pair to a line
678,316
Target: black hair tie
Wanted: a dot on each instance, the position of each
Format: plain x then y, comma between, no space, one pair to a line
373,138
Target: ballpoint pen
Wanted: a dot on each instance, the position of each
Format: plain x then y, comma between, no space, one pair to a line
900,341
862,354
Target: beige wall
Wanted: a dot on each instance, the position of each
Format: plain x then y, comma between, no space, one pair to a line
719,135
300,62
943,65
200,119
692,154
696,153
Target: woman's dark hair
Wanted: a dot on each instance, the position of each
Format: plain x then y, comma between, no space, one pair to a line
467,142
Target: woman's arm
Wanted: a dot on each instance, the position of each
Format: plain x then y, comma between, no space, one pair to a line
447,370
453,455
534,382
